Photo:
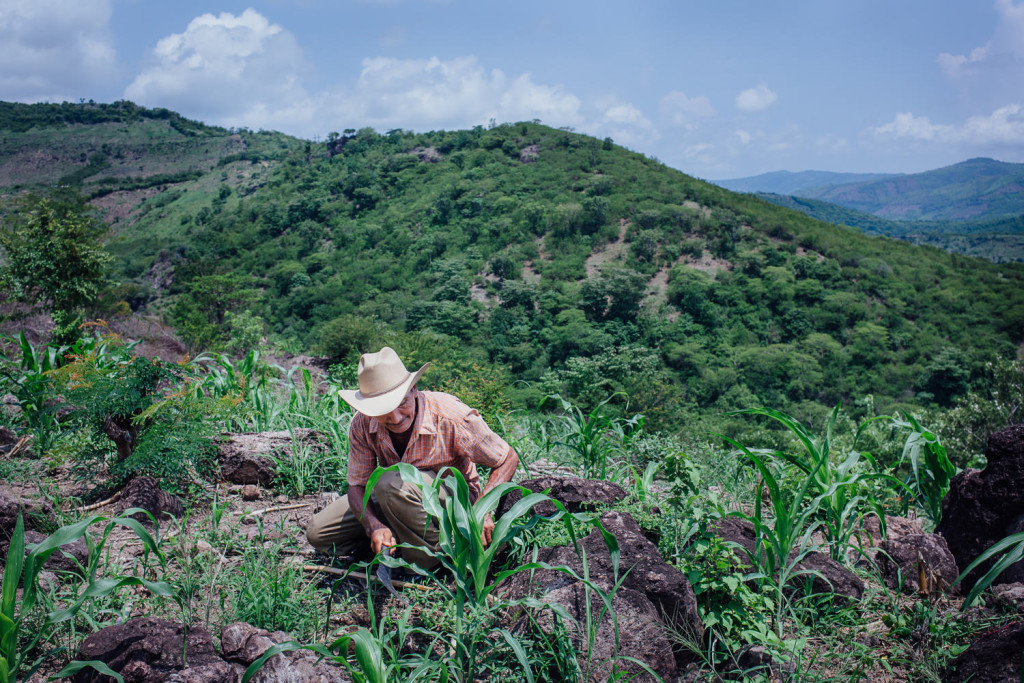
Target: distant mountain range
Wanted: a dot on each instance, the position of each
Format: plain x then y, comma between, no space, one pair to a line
800,184
973,190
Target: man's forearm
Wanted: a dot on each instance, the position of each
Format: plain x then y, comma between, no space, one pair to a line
503,472
365,515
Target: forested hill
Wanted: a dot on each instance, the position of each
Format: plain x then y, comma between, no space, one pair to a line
561,262
973,190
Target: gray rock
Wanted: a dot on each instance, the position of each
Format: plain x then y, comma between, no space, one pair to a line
577,495
149,650
645,571
641,634
37,513
913,555
242,644
246,458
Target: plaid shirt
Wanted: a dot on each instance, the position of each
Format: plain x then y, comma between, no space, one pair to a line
446,433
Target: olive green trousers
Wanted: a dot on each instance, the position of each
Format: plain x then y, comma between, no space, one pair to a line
398,503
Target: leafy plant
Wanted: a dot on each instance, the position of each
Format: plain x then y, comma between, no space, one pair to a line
152,411
30,382
840,488
1012,549
17,644
728,606
781,545
463,553
592,436
931,471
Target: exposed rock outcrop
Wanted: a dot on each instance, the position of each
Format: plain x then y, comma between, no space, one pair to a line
248,458
985,506
995,658
242,644
649,579
577,495
913,558
149,650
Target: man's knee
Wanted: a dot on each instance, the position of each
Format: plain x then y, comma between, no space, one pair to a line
315,534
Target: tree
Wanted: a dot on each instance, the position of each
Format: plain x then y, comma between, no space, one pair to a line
54,259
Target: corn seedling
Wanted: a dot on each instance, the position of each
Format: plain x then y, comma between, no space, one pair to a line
463,553
595,436
841,489
930,468
17,644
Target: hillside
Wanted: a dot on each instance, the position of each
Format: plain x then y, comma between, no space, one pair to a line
802,183
997,240
973,190
561,262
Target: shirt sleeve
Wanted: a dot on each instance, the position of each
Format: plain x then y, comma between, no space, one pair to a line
480,443
361,459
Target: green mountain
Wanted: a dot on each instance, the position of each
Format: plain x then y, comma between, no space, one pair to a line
553,261
998,240
803,183
973,190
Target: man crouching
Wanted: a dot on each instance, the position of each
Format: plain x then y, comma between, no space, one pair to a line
430,430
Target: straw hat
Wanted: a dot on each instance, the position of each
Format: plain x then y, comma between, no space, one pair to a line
383,383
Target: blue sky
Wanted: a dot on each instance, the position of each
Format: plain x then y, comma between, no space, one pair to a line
716,89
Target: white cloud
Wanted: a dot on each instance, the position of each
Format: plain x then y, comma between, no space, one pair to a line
221,67
429,93
679,110
743,135
55,49
621,121
1004,126
756,99
246,71
1005,48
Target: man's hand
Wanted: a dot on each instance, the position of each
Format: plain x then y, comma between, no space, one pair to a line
488,533
383,538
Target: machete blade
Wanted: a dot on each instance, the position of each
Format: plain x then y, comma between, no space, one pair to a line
384,574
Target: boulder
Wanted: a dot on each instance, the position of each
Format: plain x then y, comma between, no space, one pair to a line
247,458
37,513
1010,596
916,556
641,633
149,650
242,644
645,571
985,506
994,658
577,495
828,576
895,527
145,493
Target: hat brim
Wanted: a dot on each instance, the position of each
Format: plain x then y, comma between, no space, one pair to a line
381,404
